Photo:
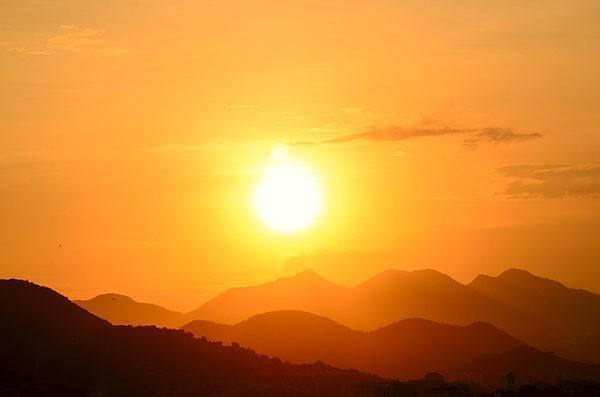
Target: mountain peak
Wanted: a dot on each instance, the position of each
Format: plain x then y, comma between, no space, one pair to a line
113,297
392,276
286,315
22,300
432,274
480,279
23,289
291,318
308,274
515,272
123,310
515,275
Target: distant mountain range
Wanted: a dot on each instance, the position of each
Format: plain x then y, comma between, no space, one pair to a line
560,319
51,347
543,313
407,349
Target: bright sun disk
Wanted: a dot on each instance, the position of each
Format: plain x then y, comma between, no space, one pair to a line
287,198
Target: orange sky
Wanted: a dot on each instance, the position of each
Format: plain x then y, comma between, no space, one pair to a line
461,136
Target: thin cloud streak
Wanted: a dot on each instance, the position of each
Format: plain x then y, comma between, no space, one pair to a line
473,136
73,39
551,181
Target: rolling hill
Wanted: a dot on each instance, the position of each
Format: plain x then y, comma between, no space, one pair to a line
407,349
122,310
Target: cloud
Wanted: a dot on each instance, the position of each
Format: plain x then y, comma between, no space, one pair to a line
72,39
551,181
83,40
473,136
498,136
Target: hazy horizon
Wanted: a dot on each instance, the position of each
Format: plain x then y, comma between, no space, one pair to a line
289,274
143,146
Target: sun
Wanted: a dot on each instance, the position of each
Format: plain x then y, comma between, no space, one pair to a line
288,197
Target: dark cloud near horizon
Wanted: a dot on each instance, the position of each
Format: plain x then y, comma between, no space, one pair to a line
552,180
473,136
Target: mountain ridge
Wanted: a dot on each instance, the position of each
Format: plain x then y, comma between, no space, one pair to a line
515,301
405,349
123,310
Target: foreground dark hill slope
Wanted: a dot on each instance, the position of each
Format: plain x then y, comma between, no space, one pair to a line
562,319
529,364
50,346
406,349
122,310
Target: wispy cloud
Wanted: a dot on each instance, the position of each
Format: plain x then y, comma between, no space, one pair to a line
551,181
72,38
498,136
473,136
84,40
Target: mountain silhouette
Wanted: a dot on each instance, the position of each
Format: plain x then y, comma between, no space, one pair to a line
122,310
524,305
407,349
390,296
305,291
52,347
542,313
530,365
396,294
561,319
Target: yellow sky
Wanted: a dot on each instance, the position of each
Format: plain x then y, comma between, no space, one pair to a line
461,136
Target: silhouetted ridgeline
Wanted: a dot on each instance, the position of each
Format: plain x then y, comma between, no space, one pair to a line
560,319
543,313
518,302
407,349
49,346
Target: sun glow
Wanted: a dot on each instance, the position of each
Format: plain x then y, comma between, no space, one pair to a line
288,197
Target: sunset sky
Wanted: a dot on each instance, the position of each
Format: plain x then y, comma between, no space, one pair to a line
461,136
